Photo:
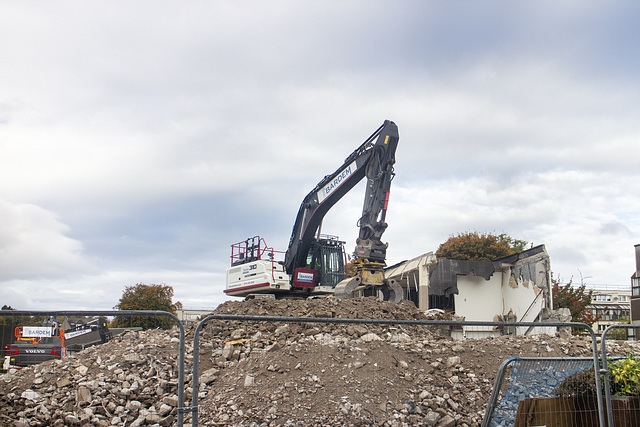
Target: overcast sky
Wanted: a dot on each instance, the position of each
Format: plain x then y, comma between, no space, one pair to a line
139,140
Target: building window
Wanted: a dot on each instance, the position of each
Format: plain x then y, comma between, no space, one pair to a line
635,286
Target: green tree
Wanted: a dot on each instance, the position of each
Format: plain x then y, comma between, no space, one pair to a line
576,299
473,246
146,297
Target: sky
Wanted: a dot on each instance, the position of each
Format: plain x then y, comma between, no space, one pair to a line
139,140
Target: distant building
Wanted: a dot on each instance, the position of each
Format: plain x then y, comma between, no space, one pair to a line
187,316
611,307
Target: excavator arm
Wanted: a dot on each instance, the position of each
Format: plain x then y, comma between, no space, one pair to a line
373,159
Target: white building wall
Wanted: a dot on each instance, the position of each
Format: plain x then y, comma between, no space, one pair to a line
493,300
479,299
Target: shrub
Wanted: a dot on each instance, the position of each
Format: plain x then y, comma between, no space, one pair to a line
624,376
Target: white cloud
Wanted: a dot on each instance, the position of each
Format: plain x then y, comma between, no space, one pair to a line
194,289
33,245
583,218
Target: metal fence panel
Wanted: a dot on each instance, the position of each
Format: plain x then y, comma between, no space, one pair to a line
534,382
146,313
621,410
461,328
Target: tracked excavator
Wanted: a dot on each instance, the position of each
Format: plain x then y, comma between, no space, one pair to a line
315,264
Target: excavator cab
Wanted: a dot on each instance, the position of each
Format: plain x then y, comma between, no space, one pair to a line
327,257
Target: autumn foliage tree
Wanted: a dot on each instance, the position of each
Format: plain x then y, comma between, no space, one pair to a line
473,246
146,297
576,299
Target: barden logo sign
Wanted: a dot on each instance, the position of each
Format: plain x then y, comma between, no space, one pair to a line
305,277
336,182
36,331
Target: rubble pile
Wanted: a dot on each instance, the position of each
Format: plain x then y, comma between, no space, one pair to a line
284,373
132,379
357,308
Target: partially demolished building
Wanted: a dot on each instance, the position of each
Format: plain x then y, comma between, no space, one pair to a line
514,288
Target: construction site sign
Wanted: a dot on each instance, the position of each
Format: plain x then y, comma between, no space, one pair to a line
36,331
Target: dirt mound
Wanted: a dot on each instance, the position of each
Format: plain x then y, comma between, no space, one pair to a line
360,374
357,308
280,373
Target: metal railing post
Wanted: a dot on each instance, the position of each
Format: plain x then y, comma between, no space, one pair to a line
605,369
196,372
495,393
596,371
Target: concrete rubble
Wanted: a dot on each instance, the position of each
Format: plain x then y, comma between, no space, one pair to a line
273,374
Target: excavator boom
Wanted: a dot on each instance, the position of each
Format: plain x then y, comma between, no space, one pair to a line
374,158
